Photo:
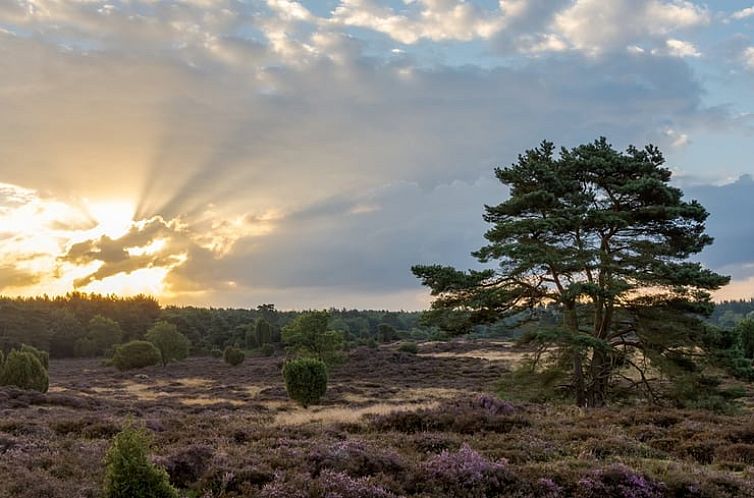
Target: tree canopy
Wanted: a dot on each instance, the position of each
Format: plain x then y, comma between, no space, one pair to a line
604,238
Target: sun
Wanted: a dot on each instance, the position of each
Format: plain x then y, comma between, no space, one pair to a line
114,218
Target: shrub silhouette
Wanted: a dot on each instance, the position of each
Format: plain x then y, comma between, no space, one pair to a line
23,369
268,350
129,473
305,380
2,360
42,356
216,353
233,356
136,354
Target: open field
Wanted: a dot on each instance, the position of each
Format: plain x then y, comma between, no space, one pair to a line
391,424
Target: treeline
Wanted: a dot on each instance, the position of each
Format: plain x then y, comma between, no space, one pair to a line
91,325
729,313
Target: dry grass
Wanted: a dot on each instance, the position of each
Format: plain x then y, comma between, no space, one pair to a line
512,358
342,414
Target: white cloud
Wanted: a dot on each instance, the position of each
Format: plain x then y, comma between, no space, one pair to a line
678,48
436,20
597,26
743,13
748,57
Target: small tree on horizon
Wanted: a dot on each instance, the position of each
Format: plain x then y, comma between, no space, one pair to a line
603,238
172,344
308,335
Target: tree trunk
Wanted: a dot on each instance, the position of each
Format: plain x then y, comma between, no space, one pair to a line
578,374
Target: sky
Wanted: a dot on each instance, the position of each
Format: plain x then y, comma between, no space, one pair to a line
233,153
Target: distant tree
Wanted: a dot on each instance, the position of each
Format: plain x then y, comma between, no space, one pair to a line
263,332
745,332
308,335
233,356
602,236
129,472
172,344
136,354
250,336
101,337
386,332
66,329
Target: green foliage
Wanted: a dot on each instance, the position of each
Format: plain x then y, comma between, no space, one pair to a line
233,356
603,239
305,380
172,344
128,471
745,332
136,354
24,370
250,336
42,356
409,347
263,332
2,360
308,335
386,333
101,337
536,385
267,350
216,353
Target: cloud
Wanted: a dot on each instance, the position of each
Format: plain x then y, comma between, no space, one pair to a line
748,57
679,48
596,26
743,13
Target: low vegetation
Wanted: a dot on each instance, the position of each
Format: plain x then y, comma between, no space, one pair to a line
136,354
24,370
305,380
233,356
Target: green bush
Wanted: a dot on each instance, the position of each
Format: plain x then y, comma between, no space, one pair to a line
305,380
268,350
233,356
172,344
2,360
42,356
408,347
216,353
136,354
130,474
23,369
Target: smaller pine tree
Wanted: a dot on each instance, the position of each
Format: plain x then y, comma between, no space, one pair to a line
24,370
42,356
305,380
129,473
233,356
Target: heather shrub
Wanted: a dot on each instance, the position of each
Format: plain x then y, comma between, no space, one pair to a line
188,465
42,356
408,347
233,356
130,474
24,370
337,484
305,380
618,481
466,474
267,349
736,453
354,458
135,354
463,415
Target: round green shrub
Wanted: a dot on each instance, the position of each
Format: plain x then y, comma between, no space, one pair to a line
42,356
268,349
305,380
233,356
216,353
23,369
128,471
172,344
136,354
408,347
